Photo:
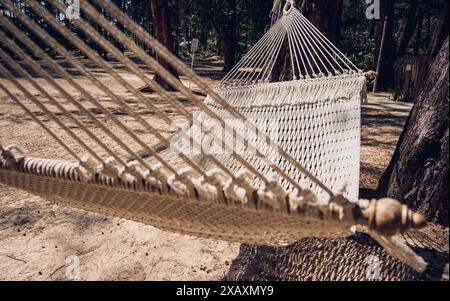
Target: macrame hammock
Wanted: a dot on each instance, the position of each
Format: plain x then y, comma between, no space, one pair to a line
295,174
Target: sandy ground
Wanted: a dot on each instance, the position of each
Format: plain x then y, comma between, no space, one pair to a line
42,241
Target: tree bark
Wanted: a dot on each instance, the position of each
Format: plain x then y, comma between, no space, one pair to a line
380,54
378,35
372,28
410,27
418,36
228,34
386,51
163,33
334,11
418,172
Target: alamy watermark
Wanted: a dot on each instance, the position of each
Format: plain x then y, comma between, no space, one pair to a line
212,137
73,268
373,271
73,10
373,11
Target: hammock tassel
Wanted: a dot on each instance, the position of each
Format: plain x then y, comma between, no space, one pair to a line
274,195
240,190
217,179
182,183
161,175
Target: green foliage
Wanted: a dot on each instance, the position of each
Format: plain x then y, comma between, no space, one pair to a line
357,42
209,20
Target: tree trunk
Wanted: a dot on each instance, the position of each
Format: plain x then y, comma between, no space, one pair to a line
228,34
410,27
441,32
386,52
372,28
418,36
334,9
418,172
326,15
163,33
380,54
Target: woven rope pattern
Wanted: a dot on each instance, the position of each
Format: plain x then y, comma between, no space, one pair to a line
321,132
205,219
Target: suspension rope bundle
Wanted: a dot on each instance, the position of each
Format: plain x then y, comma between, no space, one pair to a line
295,173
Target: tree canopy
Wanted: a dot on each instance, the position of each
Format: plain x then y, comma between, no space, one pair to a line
230,28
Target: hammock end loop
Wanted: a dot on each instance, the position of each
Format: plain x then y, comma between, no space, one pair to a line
288,7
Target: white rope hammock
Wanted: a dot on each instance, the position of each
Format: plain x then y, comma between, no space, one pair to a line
295,174
315,117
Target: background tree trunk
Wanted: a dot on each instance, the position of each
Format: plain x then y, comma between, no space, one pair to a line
418,37
418,172
163,33
385,53
441,32
334,9
228,34
410,27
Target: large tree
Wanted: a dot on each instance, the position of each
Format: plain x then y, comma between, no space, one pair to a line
228,33
386,47
418,172
163,33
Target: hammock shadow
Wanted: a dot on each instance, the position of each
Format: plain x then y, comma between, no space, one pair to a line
386,122
211,74
71,71
367,193
337,259
374,118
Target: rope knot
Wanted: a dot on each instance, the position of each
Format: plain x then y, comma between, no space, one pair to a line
305,202
296,202
182,182
240,188
274,195
11,154
135,170
161,175
218,179
111,169
86,168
